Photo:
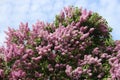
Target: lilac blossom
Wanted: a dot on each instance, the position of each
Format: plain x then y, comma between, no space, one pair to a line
76,46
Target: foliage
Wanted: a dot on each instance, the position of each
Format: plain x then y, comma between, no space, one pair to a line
76,46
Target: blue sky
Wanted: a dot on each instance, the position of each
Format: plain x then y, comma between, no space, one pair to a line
14,12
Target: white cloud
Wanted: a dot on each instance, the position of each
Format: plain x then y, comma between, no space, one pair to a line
2,38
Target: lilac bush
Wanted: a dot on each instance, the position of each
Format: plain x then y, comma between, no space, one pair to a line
76,46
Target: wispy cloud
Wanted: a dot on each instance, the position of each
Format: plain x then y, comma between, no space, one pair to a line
14,12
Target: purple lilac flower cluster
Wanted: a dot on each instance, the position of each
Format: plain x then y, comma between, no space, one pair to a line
114,61
76,46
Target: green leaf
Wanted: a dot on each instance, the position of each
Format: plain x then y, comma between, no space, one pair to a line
110,29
